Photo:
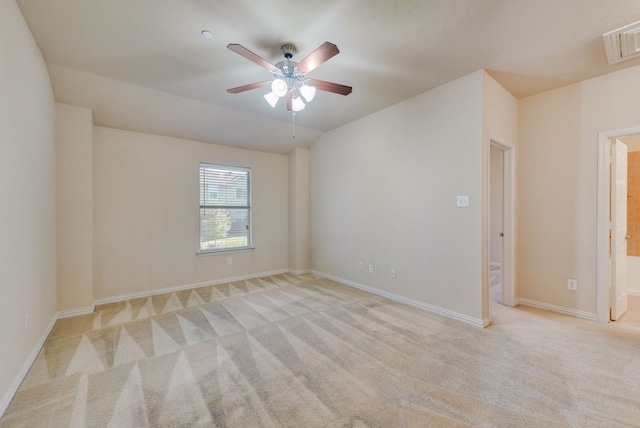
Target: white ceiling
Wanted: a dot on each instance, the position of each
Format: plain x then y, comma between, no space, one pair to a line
142,65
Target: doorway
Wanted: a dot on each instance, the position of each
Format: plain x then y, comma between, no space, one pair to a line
618,240
496,223
501,222
632,290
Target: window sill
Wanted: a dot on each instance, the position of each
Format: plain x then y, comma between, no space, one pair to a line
224,251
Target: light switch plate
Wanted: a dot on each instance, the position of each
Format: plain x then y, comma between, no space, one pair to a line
463,200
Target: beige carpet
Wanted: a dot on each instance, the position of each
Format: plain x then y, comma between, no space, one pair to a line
298,351
632,316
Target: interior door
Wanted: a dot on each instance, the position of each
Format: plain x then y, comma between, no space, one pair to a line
619,230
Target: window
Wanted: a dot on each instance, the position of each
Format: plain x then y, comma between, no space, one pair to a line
225,208
241,193
212,191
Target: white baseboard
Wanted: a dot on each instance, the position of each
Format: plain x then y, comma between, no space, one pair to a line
560,309
150,293
633,292
76,312
425,306
299,272
17,381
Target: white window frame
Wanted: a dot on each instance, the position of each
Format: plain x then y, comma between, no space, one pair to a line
229,205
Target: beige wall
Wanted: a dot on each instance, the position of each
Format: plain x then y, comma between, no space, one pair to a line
500,112
558,183
146,221
299,216
383,191
27,192
74,150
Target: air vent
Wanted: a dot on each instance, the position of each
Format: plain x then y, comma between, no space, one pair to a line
622,44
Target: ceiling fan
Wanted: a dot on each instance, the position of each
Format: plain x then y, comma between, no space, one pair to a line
290,79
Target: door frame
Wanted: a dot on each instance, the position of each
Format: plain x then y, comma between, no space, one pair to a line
508,220
603,302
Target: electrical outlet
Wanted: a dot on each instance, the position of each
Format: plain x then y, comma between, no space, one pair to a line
462,201
370,267
393,273
572,284
361,266
26,323
229,261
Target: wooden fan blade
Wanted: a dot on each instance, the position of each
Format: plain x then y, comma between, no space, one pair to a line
239,49
249,87
331,87
325,52
290,100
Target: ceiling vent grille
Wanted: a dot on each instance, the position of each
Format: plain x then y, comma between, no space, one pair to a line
622,44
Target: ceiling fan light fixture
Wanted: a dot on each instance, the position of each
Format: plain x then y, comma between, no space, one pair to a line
308,92
272,99
297,104
289,77
279,87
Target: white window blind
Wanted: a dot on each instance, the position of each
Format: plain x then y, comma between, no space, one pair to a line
225,207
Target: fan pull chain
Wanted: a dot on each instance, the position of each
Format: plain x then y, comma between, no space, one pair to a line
294,125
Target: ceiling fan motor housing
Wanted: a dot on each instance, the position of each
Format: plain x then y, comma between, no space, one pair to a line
288,51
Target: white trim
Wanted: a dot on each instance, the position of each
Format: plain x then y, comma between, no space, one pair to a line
602,238
300,272
150,293
425,306
17,381
76,312
633,292
225,251
560,309
508,219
